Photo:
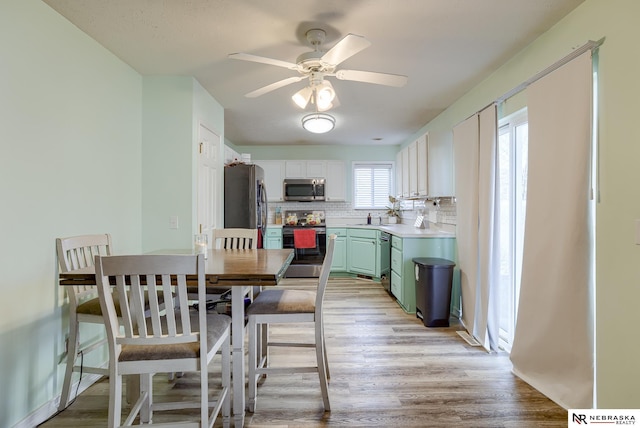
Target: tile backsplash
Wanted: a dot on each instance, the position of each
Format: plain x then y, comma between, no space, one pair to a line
445,209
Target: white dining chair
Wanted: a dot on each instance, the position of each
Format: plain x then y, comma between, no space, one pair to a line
172,338
74,253
228,239
280,306
235,238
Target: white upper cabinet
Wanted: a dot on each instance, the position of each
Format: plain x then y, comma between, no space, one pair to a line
296,169
274,171
316,169
399,168
336,186
441,182
405,172
306,169
230,155
413,168
422,162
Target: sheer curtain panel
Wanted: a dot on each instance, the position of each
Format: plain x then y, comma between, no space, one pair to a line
466,154
553,346
486,322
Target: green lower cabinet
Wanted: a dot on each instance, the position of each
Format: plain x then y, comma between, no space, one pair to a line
362,251
403,282
273,238
339,263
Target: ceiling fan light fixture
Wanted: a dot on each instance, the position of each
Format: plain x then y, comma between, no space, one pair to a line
318,123
302,97
324,95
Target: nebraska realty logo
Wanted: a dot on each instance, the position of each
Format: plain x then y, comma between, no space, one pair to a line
582,417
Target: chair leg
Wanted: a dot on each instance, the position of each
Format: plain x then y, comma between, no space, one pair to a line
253,364
146,387
115,401
226,382
326,360
72,354
322,365
264,344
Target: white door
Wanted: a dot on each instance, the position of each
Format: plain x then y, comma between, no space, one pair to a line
208,188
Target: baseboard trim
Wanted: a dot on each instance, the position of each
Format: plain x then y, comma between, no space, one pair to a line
50,408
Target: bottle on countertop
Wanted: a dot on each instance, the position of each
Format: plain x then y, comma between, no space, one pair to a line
369,219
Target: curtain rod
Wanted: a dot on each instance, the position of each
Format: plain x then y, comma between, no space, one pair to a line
589,46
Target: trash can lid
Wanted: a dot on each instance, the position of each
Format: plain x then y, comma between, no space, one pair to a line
433,262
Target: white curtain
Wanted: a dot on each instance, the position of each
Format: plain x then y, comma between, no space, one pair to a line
466,153
553,346
475,143
486,323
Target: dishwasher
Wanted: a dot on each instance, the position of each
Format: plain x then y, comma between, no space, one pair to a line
384,250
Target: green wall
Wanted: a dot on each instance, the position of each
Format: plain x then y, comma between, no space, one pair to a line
617,255
173,108
70,144
87,146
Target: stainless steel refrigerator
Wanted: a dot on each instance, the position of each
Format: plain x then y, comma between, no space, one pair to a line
245,199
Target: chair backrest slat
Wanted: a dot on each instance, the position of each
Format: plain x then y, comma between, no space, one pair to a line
139,280
77,252
235,239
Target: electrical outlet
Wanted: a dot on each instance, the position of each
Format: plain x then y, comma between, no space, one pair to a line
173,222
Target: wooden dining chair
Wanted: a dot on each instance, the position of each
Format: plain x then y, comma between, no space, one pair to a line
74,253
176,338
275,305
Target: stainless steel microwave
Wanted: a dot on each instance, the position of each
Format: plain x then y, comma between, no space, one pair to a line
304,189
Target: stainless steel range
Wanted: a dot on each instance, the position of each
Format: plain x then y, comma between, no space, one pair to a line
307,261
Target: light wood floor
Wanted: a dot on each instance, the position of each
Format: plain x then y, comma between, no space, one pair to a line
387,370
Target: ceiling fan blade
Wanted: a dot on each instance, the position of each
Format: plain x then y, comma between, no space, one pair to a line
396,80
263,60
274,86
348,46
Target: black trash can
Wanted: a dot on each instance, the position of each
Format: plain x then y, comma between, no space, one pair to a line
434,279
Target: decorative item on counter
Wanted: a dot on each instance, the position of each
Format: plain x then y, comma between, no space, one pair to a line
311,219
278,216
420,223
292,219
369,219
201,244
393,211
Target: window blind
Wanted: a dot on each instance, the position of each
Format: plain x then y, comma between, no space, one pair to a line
372,185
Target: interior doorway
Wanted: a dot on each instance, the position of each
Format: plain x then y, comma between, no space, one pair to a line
208,181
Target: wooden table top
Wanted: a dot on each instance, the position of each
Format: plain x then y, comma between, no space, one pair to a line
223,267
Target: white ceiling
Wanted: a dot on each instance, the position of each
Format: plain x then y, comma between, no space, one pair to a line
445,47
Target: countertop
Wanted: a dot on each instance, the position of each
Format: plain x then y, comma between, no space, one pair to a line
400,230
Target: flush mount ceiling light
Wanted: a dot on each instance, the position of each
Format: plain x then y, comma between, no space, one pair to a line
318,123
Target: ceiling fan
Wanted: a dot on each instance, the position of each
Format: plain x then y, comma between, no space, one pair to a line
317,65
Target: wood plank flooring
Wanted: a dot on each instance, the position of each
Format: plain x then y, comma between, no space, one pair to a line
387,370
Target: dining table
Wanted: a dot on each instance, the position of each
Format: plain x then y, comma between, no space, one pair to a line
238,269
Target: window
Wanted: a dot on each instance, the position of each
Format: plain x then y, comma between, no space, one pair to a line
512,151
371,185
